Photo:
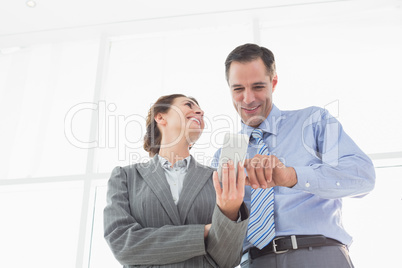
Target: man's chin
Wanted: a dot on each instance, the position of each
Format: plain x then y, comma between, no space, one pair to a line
253,121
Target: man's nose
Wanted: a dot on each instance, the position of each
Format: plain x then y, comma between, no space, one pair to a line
248,96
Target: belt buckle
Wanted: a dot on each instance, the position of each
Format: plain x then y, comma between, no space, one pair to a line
274,245
244,258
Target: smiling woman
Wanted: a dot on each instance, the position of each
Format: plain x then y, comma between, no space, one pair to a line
169,201
171,121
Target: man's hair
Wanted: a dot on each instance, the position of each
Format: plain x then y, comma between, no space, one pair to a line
249,52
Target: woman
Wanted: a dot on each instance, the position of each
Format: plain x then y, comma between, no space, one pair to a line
166,212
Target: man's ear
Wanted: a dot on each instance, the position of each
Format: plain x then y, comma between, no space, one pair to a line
160,119
274,82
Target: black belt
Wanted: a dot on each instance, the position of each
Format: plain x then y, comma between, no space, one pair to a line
283,244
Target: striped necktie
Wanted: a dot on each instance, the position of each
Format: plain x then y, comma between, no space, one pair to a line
261,226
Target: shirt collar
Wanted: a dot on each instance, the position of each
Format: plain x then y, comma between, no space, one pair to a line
185,163
269,125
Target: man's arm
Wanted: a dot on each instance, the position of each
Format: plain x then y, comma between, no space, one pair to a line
340,168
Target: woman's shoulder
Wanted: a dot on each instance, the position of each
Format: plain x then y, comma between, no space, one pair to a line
135,166
202,164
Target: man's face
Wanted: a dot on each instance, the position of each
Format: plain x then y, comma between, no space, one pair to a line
251,89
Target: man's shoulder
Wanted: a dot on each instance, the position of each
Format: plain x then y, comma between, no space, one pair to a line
307,111
215,158
311,113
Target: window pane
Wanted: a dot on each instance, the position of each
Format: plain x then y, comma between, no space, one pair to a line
101,255
42,84
347,62
40,224
143,68
375,222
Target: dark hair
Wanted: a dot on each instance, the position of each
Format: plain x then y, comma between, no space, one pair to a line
250,52
153,136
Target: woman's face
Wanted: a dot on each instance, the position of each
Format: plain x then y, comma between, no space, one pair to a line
186,118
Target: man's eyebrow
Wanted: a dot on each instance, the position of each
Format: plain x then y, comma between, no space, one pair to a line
236,85
254,84
259,83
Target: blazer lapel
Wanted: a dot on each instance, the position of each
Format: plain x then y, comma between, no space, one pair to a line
197,176
154,175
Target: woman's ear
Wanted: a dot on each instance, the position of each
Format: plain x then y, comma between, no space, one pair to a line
160,119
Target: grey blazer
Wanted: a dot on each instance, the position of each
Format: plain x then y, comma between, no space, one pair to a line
144,228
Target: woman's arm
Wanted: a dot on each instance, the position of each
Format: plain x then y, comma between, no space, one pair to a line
225,238
132,244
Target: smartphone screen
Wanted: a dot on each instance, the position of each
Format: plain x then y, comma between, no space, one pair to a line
234,148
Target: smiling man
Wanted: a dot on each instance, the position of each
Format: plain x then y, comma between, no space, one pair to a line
301,164
252,89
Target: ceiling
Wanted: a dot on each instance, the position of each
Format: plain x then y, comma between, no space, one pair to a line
16,17
19,22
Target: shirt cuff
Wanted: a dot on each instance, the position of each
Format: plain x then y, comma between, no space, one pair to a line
239,218
306,179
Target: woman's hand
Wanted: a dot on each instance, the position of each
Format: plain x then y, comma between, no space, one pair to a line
207,227
230,196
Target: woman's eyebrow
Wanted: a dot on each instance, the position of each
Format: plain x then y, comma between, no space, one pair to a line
192,102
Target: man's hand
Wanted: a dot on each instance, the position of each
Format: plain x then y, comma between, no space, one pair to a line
265,171
230,196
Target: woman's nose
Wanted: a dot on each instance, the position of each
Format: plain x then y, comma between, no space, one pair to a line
199,111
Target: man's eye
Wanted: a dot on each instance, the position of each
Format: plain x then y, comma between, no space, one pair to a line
189,104
237,88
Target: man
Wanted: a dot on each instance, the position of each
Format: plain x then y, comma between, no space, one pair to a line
302,163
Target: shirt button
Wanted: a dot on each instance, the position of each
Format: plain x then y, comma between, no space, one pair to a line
307,184
338,184
174,199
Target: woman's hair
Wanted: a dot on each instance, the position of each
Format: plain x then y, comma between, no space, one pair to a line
153,136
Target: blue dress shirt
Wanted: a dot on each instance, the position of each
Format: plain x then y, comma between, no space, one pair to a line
328,164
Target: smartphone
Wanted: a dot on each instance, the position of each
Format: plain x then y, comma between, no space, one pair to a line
234,148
